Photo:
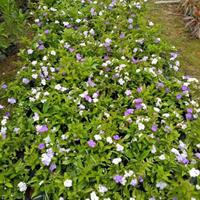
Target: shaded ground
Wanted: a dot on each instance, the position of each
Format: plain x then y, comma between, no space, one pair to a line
8,69
172,27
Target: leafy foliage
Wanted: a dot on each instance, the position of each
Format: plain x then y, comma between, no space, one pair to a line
99,109
12,25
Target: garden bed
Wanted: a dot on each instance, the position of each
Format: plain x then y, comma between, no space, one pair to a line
99,109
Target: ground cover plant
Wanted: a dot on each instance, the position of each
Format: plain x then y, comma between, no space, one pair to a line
99,109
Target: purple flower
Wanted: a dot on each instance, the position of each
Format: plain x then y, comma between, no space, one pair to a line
178,96
92,11
11,100
122,35
128,112
197,155
71,49
135,61
189,110
139,89
52,167
41,47
4,86
154,128
140,179
138,101
160,85
116,137
78,57
7,114
134,182
41,146
182,159
90,82
118,178
189,116
91,143
46,31
184,88
42,129
88,98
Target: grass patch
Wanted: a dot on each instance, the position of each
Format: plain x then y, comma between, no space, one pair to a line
173,30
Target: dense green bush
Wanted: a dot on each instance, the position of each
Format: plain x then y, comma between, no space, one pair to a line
99,110
12,24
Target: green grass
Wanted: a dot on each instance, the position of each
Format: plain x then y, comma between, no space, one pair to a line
172,27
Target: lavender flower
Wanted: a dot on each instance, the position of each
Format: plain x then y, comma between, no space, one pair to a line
189,116
90,82
184,88
178,96
41,128
52,167
118,179
154,128
134,182
11,100
128,112
122,35
4,86
91,143
46,31
116,137
25,81
41,146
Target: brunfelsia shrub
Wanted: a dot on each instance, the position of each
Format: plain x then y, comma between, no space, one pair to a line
99,110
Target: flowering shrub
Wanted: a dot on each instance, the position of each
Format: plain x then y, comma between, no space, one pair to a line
99,110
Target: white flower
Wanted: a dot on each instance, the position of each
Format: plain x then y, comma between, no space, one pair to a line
175,151
119,147
151,24
161,185
154,61
166,115
109,140
102,189
43,82
29,51
156,109
34,76
141,126
97,137
162,157
116,161
53,53
58,87
22,186
197,187
194,172
93,196
68,183
36,117
34,62
121,81
153,149
128,174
